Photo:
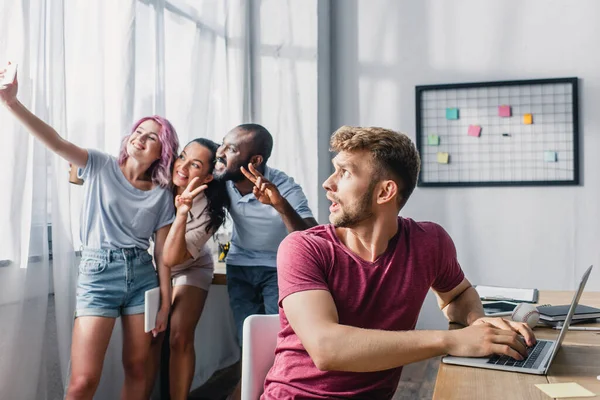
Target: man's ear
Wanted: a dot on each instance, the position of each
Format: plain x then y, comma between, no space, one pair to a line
256,160
388,191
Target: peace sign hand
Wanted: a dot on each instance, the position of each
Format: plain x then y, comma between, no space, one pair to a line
184,201
263,190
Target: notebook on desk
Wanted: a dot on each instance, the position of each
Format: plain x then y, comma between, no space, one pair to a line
559,313
539,357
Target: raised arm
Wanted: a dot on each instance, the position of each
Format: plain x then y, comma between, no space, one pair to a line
267,193
38,128
292,220
175,250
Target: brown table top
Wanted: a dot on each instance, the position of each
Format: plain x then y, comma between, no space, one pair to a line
578,360
219,276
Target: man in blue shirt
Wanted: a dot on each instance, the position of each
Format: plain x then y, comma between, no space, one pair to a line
266,205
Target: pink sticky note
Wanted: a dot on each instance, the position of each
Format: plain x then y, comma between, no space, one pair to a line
504,111
474,130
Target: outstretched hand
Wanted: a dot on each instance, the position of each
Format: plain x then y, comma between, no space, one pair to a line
184,201
264,190
8,92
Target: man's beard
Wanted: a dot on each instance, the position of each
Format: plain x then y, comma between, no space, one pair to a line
359,213
234,175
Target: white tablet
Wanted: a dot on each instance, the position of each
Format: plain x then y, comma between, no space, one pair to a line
151,306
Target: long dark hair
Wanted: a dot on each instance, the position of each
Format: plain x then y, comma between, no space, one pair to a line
216,191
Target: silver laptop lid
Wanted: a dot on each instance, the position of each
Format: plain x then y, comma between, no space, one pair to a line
570,314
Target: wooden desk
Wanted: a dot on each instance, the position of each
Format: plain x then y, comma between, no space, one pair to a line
578,360
219,276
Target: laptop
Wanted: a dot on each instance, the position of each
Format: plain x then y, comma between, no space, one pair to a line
539,357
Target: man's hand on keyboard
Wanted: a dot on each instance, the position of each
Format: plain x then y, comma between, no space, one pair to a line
483,339
519,327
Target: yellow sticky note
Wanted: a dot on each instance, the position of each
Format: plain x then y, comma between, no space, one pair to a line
527,119
442,158
561,390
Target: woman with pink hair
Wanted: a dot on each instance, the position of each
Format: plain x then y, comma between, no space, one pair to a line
127,200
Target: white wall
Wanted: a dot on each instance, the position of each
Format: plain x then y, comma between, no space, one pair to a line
540,237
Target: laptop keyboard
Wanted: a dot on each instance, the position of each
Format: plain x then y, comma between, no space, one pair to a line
533,355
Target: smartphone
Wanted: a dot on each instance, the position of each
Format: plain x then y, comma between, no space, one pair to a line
9,75
73,178
499,308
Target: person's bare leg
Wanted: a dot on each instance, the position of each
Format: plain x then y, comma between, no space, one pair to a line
188,302
136,350
153,364
91,336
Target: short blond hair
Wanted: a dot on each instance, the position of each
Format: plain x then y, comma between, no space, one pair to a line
393,154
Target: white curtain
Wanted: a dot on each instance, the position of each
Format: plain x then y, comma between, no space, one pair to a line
284,52
91,68
24,258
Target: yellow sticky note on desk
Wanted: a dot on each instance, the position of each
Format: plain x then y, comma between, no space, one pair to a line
561,390
528,119
442,158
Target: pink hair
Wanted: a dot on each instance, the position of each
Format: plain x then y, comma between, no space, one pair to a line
160,171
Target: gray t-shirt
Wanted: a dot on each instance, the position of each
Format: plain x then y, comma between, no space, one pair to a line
116,215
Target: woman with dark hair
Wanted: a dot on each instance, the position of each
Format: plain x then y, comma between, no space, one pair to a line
201,203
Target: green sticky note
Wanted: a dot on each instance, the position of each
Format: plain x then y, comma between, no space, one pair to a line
550,156
451,113
433,140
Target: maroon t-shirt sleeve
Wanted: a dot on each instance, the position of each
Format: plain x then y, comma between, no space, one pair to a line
300,265
449,273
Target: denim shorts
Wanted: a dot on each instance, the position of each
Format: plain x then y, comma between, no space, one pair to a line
114,282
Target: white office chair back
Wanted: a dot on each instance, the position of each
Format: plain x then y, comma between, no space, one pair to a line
258,353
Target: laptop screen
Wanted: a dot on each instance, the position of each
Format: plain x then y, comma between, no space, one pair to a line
567,322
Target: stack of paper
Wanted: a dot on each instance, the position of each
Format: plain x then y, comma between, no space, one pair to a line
508,294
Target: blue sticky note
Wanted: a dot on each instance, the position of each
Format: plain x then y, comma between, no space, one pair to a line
451,113
433,140
550,156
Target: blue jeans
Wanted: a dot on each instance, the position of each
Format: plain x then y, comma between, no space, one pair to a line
252,290
114,282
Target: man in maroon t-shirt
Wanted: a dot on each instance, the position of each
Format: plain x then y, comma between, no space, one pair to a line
350,292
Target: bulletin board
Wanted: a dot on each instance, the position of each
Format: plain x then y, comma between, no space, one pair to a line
498,133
